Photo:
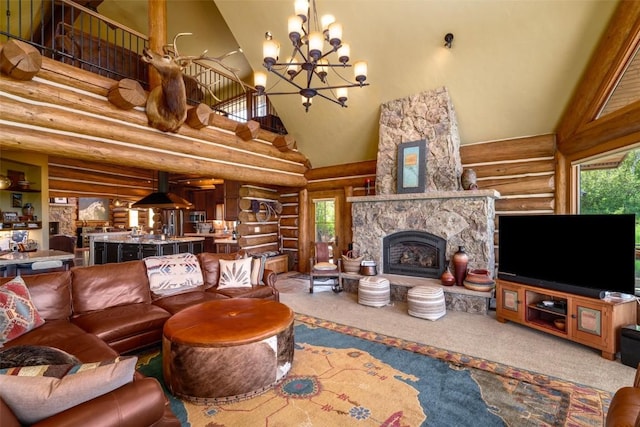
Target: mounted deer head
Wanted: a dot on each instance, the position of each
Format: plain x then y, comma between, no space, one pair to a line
167,103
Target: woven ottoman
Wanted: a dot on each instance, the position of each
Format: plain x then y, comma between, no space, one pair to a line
374,291
426,302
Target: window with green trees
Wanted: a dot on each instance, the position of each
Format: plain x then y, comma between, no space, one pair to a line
325,220
612,186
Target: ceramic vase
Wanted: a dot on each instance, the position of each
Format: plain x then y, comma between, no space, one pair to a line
460,261
469,179
447,278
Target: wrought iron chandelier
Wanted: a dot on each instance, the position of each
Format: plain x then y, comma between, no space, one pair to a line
309,66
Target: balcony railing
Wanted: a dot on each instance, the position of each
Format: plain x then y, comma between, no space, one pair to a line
76,35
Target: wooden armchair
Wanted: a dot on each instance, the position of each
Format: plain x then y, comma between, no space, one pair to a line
322,272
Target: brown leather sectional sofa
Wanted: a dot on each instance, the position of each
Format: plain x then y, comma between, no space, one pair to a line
624,410
96,313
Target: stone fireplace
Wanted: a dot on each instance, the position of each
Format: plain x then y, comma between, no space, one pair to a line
437,221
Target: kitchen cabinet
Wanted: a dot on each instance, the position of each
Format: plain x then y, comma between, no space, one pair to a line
117,251
208,200
231,200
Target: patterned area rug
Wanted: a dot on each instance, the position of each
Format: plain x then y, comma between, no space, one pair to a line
346,376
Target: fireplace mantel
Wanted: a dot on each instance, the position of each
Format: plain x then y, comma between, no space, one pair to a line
462,218
472,194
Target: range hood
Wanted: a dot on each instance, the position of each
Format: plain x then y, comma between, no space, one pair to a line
162,199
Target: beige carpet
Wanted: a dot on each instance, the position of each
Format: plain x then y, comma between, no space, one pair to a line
473,334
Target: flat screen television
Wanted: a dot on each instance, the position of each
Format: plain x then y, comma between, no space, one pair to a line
577,254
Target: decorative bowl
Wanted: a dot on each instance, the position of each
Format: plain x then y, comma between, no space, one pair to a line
479,280
560,324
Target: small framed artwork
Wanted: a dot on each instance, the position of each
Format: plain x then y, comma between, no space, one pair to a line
16,200
93,209
9,216
411,167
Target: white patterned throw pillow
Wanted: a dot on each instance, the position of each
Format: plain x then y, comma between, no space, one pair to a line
173,274
235,274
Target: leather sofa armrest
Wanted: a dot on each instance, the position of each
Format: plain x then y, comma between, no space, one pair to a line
139,403
7,416
269,278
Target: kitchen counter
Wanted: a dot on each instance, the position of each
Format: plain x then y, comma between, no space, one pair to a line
31,257
10,261
121,248
219,238
152,241
217,242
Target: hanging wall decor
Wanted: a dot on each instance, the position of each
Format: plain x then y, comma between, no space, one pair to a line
411,167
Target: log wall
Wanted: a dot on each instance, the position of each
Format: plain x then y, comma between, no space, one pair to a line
64,111
259,231
523,170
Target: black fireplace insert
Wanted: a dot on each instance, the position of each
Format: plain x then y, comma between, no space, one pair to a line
414,253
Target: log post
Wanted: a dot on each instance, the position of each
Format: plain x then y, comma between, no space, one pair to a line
20,60
126,94
157,15
284,142
304,241
247,131
198,116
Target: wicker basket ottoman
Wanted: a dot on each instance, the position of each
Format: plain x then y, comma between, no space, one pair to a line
426,302
374,291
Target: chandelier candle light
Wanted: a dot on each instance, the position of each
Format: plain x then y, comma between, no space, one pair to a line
310,59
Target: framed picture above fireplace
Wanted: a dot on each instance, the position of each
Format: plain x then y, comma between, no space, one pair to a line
411,167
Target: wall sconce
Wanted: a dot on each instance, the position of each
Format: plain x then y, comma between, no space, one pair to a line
448,40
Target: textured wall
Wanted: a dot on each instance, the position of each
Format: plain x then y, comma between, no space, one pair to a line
462,218
426,116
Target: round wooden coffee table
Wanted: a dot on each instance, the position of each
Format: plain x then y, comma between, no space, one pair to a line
227,350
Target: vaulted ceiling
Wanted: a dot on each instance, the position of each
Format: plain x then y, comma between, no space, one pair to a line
511,71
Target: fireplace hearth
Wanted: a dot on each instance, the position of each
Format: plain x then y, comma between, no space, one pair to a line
414,253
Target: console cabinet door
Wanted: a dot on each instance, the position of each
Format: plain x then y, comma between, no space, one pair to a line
509,302
587,324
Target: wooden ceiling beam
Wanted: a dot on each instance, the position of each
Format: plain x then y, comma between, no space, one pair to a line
611,56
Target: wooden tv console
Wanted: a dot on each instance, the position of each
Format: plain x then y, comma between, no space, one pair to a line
590,321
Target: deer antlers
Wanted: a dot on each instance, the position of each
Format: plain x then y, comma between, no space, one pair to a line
184,61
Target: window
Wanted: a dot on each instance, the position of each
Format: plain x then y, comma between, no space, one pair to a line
611,185
325,220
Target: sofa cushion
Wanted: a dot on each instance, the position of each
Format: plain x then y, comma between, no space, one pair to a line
175,303
210,265
50,293
18,315
116,284
258,291
66,336
37,392
116,323
235,274
257,269
173,274
33,355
